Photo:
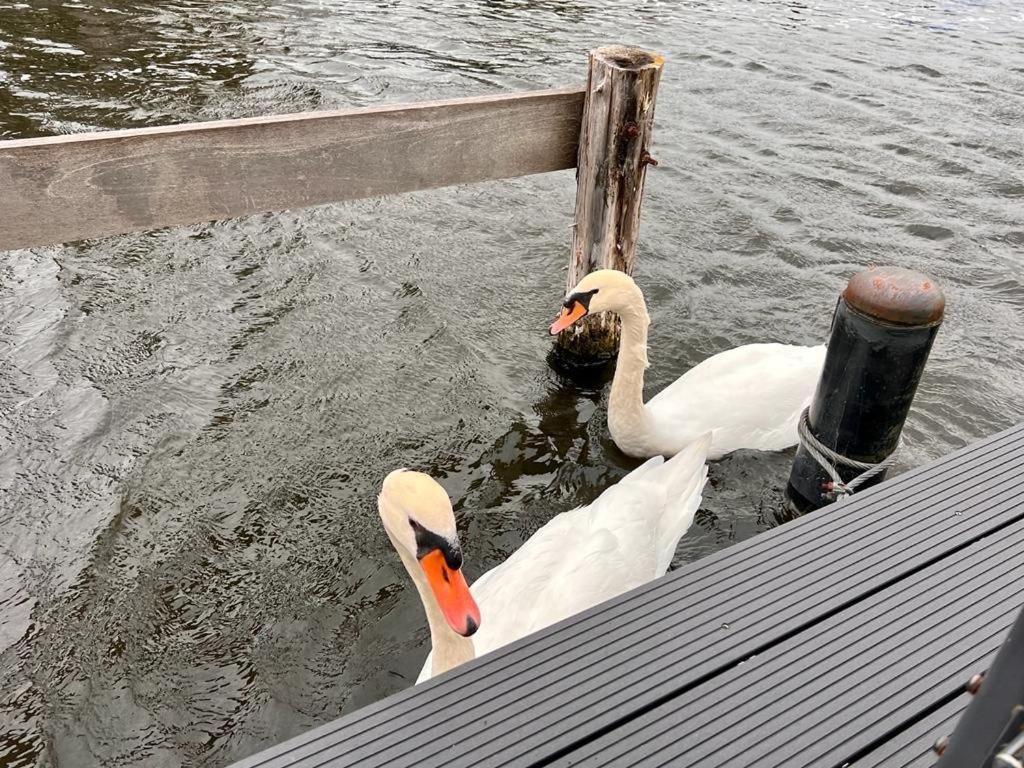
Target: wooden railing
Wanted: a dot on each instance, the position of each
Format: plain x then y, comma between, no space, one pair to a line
65,188
62,189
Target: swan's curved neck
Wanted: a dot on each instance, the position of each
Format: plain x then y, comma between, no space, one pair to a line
449,647
626,401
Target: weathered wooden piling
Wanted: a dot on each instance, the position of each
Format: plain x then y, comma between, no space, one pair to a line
882,331
618,115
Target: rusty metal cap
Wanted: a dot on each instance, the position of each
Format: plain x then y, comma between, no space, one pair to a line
896,295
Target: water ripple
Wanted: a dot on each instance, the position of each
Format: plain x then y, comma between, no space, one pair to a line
195,421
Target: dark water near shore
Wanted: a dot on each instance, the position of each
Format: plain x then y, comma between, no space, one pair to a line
195,421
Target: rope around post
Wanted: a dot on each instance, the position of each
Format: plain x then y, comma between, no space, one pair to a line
829,460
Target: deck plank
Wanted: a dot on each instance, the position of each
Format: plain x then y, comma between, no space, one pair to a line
830,693
912,747
548,695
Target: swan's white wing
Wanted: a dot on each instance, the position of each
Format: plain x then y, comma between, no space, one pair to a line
575,561
749,397
583,557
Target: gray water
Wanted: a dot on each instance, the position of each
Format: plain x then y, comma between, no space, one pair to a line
196,421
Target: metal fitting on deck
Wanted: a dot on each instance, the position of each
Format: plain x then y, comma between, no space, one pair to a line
990,731
974,684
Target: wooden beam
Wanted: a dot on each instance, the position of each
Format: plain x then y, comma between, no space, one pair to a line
65,188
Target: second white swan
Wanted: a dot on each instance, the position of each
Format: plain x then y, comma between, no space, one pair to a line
747,397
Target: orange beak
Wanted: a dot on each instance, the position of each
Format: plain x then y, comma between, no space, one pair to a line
452,593
567,318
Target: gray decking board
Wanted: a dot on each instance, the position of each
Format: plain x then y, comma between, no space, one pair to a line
912,747
537,700
832,691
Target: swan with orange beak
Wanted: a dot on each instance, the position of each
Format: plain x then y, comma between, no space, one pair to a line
747,397
418,518
579,558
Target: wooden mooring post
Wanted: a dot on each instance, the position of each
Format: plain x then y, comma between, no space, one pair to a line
618,116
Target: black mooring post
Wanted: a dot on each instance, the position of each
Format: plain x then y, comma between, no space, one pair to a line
882,330
990,732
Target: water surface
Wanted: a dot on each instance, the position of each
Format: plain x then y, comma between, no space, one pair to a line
196,421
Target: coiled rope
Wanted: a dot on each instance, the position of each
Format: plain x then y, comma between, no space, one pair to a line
829,460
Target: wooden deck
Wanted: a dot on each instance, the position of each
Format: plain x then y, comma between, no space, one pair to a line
843,638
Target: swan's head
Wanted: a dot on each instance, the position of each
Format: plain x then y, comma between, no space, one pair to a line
605,290
418,517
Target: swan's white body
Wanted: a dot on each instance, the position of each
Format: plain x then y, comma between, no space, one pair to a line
625,538
747,397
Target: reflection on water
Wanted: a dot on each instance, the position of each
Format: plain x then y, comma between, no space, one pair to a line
196,421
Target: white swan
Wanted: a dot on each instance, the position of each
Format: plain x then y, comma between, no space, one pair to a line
578,559
747,397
